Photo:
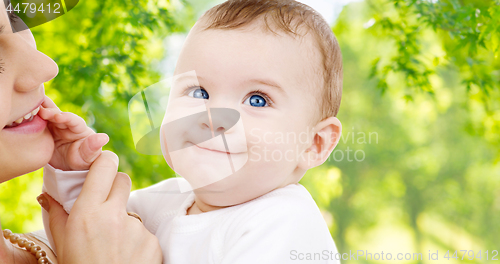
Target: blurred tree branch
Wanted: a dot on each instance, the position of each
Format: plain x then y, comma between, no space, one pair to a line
469,31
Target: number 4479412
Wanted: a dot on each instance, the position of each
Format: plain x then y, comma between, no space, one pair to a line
470,254
33,8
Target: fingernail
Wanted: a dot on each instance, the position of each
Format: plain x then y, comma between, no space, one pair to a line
105,138
44,203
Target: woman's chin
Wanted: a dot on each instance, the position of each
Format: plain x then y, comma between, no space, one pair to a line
41,152
26,155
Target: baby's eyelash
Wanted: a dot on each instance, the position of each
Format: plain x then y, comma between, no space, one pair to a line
190,87
256,92
263,94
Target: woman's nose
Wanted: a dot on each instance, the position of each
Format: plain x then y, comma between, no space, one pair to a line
33,67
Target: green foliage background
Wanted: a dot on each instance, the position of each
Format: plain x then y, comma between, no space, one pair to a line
420,112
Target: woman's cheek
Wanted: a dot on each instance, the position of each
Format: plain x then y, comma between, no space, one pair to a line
5,105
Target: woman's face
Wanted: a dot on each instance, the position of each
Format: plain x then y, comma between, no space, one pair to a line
25,142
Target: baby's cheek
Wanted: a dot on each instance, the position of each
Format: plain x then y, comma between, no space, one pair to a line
272,148
164,148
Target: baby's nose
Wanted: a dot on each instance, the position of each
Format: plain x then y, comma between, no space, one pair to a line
219,120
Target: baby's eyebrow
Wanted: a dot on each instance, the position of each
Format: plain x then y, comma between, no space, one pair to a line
263,81
267,82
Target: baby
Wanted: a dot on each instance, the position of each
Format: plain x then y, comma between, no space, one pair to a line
252,107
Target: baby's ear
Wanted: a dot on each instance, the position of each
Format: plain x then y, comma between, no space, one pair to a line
326,136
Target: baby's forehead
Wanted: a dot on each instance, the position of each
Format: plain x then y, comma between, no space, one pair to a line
306,40
300,32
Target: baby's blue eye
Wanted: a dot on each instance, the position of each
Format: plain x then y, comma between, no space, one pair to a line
199,93
256,101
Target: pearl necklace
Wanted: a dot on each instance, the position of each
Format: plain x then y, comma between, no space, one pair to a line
30,246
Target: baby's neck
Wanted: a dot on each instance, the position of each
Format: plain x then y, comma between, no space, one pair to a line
199,207
193,210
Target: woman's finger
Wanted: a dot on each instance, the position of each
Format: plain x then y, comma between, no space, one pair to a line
91,147
57,218
99,180
120,191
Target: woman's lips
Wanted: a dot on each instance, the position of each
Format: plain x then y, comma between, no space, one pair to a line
36,125
24,119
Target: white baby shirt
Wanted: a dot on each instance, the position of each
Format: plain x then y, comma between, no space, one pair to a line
282,226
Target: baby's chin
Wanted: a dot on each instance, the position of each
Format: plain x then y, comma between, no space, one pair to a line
230,191
202,172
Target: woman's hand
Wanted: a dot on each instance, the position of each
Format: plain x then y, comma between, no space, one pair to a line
98,230
76,144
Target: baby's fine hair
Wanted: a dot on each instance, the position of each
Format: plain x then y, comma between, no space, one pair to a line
288,16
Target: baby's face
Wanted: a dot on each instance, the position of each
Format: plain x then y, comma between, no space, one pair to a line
261,93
